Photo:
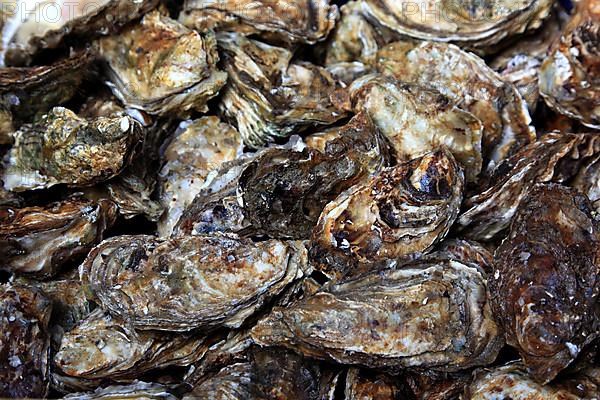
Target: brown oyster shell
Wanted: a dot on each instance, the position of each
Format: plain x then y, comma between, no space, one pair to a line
293,21
429,385
546,278
135,391
402,212
24,343
39,241
194,282
362,385
162,67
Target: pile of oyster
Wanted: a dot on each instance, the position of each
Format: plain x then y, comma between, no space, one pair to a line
300,199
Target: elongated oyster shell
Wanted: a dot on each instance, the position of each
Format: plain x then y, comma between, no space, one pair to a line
471,24
402,212
431,315
162,67
554,157
64,148
269,96
363,386
569,78
546,279
40,240
24,342
197,149
303,21
185,283
467,80
416,119
136,391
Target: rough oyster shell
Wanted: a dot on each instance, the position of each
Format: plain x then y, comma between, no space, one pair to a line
468,81
569,78
197,149
431,315
402,212
162,67
428,385
268,96
24,342
417,119
40,240
360,385
135,391
185,283
64,148
546,279
294,21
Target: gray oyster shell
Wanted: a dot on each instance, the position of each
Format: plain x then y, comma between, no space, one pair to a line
135,391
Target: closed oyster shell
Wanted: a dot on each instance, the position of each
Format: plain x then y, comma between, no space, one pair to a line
468,81
569,78
185,283
64,148
294,21
136,391
41,240
360,385
24,342
546,280
402,212
268,96
162,67
197,149
432,315
417,119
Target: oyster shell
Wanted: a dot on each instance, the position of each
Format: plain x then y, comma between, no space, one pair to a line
466,251
431,315
402,212
294,21
468,81
197,149
269,96
41,240
569,78
436,386
64,148
24,342
360,385
545,284
136,391
162,67
416,119
185,283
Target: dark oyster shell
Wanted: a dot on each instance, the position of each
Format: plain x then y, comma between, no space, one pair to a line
545,284
40,240
185,283
24,342
402,212
135,391
429,385
360,385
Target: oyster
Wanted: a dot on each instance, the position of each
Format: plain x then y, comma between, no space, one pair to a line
360,385
269,96
24,342
466,251
402,212
197,149
162,67
136,391
64,148
194,282
294,21
468,81
416,119
546,280
41,240
436,386
554,157
569,78
470,24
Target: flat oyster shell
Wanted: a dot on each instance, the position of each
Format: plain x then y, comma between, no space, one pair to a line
41,240
24,342
294,21
546,280
64,148
196,150
468,81
136,391
194,282
417,119
431,315
162,67
402,212
268,96
569,78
